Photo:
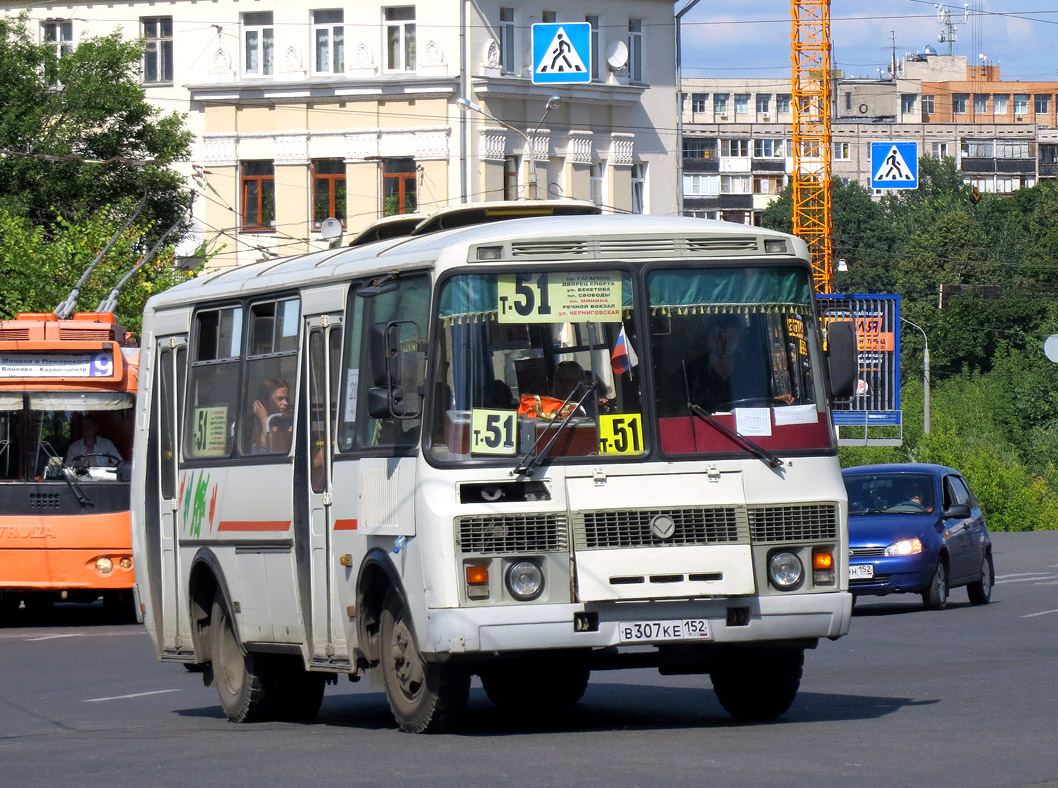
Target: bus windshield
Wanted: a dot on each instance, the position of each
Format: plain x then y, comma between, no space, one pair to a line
519,351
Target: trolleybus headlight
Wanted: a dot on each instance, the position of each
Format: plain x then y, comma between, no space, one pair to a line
525,580
785,570
104,564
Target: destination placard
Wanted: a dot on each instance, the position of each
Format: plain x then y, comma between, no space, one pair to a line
552,297
66,364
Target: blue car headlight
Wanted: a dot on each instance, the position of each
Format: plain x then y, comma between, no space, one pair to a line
904,547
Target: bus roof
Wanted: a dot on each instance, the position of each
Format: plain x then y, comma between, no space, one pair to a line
617,237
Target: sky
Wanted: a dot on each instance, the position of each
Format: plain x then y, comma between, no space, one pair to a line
751,38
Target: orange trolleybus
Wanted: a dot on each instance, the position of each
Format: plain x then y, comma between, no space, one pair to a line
67,388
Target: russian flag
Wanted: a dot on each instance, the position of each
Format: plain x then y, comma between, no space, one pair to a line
624,355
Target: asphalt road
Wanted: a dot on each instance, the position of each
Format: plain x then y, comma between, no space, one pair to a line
961,697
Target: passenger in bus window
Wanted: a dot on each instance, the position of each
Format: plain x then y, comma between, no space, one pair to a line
272,417
93,449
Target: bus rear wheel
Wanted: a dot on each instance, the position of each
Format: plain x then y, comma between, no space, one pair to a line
424,697
241,677
758,683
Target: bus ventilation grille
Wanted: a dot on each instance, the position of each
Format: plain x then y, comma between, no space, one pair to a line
807,523
87,334
632,528
14,334
513,533
49,501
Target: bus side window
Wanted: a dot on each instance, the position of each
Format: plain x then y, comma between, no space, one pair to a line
408,304
267,408
211,420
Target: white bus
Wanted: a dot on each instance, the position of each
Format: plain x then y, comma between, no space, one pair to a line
523,450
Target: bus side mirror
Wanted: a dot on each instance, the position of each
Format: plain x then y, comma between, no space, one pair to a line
387,403
385,354
841,358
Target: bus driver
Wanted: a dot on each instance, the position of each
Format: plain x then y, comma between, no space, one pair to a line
92,448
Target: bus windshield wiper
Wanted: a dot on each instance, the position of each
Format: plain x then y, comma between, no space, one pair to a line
71,480
760,453
531,459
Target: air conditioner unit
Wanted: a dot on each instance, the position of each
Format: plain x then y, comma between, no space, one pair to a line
723,116
765,116
1019,117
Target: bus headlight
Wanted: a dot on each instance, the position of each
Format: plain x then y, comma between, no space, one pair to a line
785,570
525,580
104,565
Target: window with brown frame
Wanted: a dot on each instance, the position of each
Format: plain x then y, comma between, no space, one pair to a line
328,190
399,187
258,195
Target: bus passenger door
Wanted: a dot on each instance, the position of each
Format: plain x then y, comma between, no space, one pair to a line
172,365
313,462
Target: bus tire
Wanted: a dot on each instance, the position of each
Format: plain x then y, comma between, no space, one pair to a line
520,684
758,683
424,697
241,677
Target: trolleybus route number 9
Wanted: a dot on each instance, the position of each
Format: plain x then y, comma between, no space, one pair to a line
650,631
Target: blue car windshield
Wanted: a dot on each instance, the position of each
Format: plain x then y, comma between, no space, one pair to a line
890,493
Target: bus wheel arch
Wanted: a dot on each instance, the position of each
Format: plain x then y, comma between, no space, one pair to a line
376,578
205,582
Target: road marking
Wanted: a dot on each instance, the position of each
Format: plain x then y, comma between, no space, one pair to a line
53,637
1041,613
1020,574
133,695
1037,579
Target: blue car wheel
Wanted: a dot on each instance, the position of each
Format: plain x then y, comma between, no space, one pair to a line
935,597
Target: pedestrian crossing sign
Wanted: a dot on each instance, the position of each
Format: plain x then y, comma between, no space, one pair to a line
562,53
894,165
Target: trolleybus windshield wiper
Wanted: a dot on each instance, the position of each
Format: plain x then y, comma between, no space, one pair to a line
760,453
531,459
71,480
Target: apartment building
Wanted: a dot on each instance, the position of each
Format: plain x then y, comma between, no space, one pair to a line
1003,135
352,111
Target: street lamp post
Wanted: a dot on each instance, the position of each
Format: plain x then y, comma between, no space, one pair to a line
925,376
530,140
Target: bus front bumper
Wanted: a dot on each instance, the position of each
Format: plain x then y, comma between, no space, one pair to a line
731,620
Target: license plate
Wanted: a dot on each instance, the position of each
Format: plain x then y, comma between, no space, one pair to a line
861,571
652,631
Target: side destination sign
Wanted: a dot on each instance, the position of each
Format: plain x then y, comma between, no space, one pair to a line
66,364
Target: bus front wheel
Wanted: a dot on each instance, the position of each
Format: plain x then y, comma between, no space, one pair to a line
240,676
758,683
424,697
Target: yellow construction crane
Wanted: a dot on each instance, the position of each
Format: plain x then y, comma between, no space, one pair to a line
811,135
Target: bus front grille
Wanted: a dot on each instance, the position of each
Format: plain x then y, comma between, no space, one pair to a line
805,523
512,533
600,530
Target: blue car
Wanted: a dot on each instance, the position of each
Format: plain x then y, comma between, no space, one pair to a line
916,529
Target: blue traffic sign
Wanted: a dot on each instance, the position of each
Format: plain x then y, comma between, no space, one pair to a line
562,53
894,165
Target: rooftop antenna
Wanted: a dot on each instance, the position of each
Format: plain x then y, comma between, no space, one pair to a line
67,306
109,304
950,32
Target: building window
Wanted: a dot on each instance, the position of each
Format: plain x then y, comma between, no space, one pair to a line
328,190
842,151
698,101
907,103
763,103
735,184
158,48
929,105
594,22
766,148
999,103
978,149
735,148
258,43
767,184
698,185
720,105
1021,104
635,50
595,183
940,150
1012,150
958,103
782,103
328,40
1042,103
58,33
507,40
639,187
510,177
549,17
258,195
399,187
981,103
741,103
1048,154
699,148
400,39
